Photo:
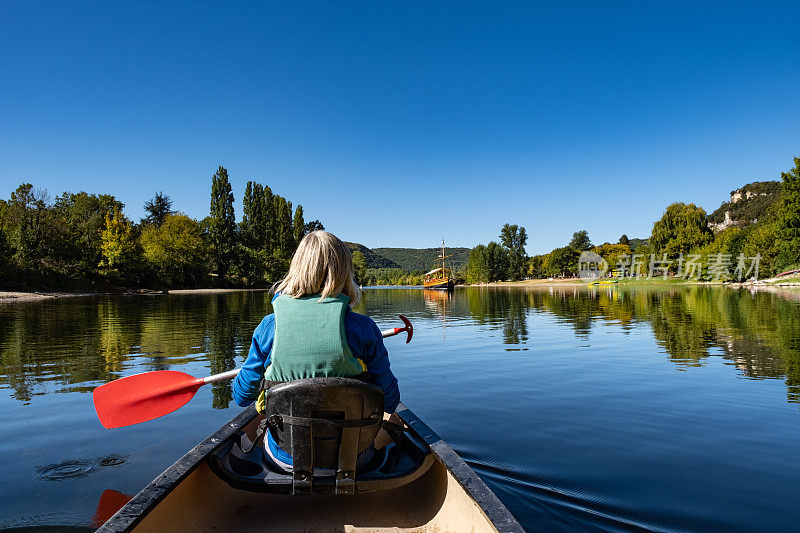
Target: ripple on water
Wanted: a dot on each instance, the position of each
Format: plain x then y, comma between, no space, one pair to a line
66,469
79,467
113,460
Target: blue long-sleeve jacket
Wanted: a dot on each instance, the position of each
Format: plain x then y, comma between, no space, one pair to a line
363,337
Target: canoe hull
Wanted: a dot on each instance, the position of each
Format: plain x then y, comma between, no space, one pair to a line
190,497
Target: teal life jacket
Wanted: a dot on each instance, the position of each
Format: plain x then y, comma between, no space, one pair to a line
310,340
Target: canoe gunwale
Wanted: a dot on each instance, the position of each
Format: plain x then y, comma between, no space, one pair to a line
150,496
490,504
135,510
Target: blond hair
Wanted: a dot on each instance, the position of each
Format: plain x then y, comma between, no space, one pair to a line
321,265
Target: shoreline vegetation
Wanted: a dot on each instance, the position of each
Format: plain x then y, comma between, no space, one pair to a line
83,243
755,235
788,282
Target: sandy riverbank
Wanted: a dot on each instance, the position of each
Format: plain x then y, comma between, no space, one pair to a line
792,281
532,283
11,296
213,291
15,296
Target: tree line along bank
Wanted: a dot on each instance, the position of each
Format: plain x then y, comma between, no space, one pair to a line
767,227
81,240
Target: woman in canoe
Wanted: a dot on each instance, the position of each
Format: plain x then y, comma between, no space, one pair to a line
314,333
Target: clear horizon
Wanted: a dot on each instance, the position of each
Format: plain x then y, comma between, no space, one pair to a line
399,125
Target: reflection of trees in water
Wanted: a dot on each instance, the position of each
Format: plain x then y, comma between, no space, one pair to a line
77,343
34,351
509,307
759,333
222,346
501,309
685,337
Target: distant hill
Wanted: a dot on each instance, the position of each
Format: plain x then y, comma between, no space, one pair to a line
422,258
374,260
746,205
636,243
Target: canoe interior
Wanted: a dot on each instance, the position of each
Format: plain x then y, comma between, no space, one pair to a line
193,498
433,503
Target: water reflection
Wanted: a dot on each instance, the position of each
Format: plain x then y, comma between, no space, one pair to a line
438,301
75,345
758,332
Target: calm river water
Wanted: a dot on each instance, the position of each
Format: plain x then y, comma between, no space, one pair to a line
670,409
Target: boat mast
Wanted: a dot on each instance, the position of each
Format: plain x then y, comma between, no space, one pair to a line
444,272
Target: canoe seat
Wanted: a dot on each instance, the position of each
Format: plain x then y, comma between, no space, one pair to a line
324,423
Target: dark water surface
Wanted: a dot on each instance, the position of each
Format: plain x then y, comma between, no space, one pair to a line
669,408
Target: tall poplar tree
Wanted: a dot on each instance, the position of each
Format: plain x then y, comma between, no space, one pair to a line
258,217
246,225
222,227
298,225
287,231
268,239
284,236
253,231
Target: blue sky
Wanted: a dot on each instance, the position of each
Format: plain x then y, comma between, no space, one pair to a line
399,123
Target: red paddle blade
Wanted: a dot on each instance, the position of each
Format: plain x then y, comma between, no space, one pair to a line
409,328
110,502
143,397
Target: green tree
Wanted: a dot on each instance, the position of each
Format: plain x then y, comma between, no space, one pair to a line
222,224
496,262
176,250
514,239
314,225
284,231
478,265
27,222
580,241
562,261
624,239
359,267
681,229
299,225
612,253
119,248
535,268
5,248
268,227
253,227
788,244
81,219
158,209
762,239
255,255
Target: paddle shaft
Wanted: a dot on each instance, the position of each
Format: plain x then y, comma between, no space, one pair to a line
230,374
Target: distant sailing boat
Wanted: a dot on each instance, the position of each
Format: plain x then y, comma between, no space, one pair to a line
440,277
